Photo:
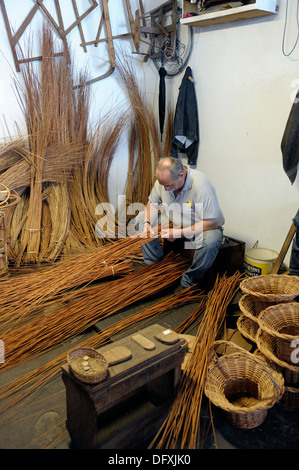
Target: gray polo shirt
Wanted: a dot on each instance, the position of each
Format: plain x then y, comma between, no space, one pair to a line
196,201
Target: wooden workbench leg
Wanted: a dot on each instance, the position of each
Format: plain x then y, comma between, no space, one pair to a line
163,388
81,416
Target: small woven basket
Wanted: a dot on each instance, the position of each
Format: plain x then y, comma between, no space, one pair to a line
87,365
282,321
242,386
247,327
267,345
272,287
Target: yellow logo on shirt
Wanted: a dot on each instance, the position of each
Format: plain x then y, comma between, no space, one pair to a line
189,204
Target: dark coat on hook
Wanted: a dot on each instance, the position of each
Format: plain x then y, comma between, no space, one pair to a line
186,121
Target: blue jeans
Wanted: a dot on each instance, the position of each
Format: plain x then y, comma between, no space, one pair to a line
203,258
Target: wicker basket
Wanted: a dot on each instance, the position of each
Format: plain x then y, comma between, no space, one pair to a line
251,307
282,321
267,345
290,399
272,287
247,327
87,365
242,386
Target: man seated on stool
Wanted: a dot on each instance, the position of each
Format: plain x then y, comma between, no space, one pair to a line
189,202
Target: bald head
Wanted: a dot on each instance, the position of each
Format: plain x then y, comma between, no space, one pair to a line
173,165
171,173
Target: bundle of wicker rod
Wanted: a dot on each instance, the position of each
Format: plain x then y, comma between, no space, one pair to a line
267,345
242,386
282,322
79,309
182,428
19,389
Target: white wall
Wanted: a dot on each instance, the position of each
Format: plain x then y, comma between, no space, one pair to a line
244,85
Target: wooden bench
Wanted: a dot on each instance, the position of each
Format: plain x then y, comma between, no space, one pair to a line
154,372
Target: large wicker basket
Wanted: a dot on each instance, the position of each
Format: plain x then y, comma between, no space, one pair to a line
272,287
96,368
242,386
267,345
282,321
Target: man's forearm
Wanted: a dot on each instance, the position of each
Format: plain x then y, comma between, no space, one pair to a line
150,214
198,228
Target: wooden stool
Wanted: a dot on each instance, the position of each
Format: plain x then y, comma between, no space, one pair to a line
154,365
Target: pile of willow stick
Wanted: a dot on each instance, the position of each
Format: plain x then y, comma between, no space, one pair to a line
27,384
182,429
23,294
61,168
76,310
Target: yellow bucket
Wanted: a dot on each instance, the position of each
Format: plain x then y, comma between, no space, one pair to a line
259,261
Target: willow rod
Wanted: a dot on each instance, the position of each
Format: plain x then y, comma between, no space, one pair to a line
22,294
34,380
80,309
181,429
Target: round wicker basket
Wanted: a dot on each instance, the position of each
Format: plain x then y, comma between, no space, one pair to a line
87,365
247,327
290,399
282,321
243,387
272,287
252,307
267,345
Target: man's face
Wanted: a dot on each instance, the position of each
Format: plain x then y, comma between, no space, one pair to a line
166,180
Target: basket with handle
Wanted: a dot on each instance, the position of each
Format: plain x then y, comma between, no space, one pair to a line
282,321
272,288
266,343
242,386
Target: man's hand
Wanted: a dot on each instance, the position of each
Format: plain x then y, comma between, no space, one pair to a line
148,232
171,234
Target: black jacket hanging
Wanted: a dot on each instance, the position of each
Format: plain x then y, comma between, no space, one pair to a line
186,127
290,142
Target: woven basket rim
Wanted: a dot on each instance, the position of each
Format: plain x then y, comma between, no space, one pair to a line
262,319
269,353
283,279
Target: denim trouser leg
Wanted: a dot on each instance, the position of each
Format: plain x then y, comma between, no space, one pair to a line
203,258
151,251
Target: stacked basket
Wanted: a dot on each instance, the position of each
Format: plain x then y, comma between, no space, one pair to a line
268,304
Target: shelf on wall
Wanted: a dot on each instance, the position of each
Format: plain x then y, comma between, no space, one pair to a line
253,10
